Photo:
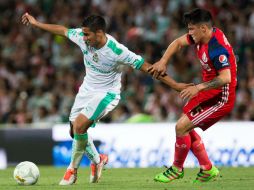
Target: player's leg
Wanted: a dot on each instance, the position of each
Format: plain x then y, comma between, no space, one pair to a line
199,151
182,147
104,103
207,171
93,107
90,149
204,116
97,160
97,106
80,126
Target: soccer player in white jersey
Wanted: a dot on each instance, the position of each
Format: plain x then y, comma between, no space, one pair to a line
100,90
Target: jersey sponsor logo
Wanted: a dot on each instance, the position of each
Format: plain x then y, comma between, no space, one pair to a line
94,68
223,59
205,66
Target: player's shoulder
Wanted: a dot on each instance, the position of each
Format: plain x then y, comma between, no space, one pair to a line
218,38
114,46
218,32
218,44
76,32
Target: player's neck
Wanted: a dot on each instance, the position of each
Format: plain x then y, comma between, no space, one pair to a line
207,37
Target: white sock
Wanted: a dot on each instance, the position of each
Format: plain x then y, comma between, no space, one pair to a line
91,151
78,149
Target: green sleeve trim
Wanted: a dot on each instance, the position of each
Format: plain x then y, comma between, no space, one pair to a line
81,34
73,32
138,63
70,32
81,136
114,48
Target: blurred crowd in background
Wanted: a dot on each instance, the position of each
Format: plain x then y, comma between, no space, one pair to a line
40,73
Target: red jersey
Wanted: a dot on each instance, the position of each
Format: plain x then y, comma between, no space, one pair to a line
216,55
209,106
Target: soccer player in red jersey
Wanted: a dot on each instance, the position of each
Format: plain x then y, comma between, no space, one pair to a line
208,101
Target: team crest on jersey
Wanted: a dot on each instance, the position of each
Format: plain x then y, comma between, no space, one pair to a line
95,57
204,58
205,65
223,59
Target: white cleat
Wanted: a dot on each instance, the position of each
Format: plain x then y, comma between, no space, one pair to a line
96,169
69,178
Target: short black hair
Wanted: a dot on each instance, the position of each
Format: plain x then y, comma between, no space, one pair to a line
95,22
197,16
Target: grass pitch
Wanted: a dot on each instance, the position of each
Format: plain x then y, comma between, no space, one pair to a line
133,179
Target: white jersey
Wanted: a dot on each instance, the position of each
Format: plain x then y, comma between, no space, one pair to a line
103,65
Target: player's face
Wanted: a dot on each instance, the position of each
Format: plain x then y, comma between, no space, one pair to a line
90,37
196,32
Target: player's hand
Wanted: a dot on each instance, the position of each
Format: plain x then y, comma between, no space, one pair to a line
181,86
28,19
158,69
189,92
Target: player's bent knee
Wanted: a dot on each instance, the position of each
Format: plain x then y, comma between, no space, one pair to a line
81,124
79,129
183,126
180,130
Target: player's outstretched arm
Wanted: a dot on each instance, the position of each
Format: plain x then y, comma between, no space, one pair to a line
166,79
53,28
160,67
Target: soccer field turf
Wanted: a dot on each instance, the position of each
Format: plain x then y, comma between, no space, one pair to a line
131,179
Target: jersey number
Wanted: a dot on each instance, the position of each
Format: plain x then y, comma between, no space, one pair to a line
196,111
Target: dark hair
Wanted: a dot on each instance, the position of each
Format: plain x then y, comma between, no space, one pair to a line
197,16
94,23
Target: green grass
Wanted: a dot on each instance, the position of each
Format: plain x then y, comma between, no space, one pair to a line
134,179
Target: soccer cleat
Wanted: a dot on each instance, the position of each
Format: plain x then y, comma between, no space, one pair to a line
207,175
96,169
169,175
69,178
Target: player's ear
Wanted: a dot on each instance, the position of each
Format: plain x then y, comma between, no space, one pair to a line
203,27
99,32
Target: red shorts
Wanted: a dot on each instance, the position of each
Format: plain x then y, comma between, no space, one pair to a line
210,106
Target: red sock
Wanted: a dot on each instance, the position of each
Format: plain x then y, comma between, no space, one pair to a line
198,149
182,147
